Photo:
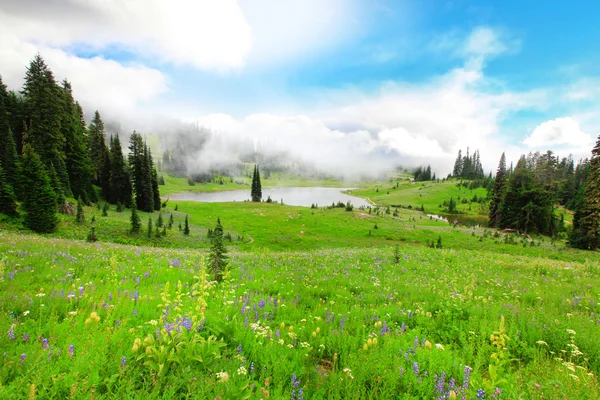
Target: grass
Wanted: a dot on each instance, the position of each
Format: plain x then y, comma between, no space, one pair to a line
336,323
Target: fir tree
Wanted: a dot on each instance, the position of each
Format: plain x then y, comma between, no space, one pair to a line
105,209
141,175
159,221
256,190
8,152
458,165
171,221
186,229
217,259
136,224
498,192
8,205
155,190
586,222
80,216
39,197
120,182
149,227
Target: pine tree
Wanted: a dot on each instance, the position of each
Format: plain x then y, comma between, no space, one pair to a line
159,221
256,190
136,224
171,221
77,155
458,166
39,197
217,259
8,152
186,229
498,192
8,205
140,172
44,116
97,145
586,222
149,227
80,216
120,183
155,190
105,209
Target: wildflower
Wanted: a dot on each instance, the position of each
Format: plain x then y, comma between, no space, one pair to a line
11,332
239,348
480,394
40,295
261,303
186,322
136,345
25,337
428,345
25,313
439,346
541,342
71,350
416,368
45,343
123,362
295,381
467,377
22,358
222,376
242,370
252,367
571,332
348,372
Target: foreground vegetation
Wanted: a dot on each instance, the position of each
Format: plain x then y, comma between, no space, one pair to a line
90,320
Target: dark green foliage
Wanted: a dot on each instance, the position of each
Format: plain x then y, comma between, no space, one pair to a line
422,174
171,221
396,254
120,207
452,206
439,242
91,237
586,222
159,221
498,192
161,180
180,228
8,152
217,259
97,145
349,206
256,190
44,116
468,167
79,216
8,205
105,210
141,173
186,229
155,190
149,227
136,224
120,182
164,231
77,155
39,198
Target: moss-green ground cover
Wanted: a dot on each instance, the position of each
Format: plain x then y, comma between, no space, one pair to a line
340,323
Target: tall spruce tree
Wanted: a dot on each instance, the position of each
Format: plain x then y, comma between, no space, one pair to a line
458,165
44,116
136,223
256,189
8,204
99,152
154,181
140,172
39,197
120,183
78,161
217,259
498,192
8,151
586,222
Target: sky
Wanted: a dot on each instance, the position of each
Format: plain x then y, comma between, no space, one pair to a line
365,83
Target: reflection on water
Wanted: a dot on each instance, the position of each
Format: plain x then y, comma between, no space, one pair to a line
295,196
463,219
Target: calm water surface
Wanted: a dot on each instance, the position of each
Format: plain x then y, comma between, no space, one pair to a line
295,196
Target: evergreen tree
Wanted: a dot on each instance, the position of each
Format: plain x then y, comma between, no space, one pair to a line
140,172
155,190
8,152
80,216
458,165
105,209
97,145
498,192
256,190
44,116
136,223
586,222
149,227
8,205
217,259
171,221
39,197
120,183
186,229
159,221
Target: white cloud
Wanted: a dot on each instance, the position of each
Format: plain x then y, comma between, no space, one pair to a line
202,33
557,132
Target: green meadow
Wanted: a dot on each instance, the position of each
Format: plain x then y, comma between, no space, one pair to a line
317,303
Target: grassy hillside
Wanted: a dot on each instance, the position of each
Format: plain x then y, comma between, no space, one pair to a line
337,324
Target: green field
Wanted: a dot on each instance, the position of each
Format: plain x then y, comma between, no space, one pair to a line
347,323
315,300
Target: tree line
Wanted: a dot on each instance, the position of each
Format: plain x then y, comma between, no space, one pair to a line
48,154
524,198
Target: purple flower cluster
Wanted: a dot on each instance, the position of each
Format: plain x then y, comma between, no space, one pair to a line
11,332
71,351
45,343
123,362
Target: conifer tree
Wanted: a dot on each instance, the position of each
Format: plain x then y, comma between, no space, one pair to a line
97,145
498,192
136,224
140,172
39,197
586,222
186,229
155,190
149,227
44,117
8,152
120,182
171,221
8,205
256,189
79,216
105,209
458,165
217,259
159,221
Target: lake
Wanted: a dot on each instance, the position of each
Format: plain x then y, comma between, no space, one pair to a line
294,196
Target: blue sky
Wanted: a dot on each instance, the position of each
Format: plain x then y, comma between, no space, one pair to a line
421,79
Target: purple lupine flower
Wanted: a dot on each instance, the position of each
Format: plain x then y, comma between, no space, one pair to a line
110,297
416,368
147,274
342,323
300,394
480,394
239,349
403,327
384,329
416,344
246,321
81,289
243,311
467,377
135,311
136,295
201,326
256,316
275,302
402,371
26,337
11,332
252,367
137,279
261,303
186,322
45,343
295,381
440,385
123,362
277,334
71,350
